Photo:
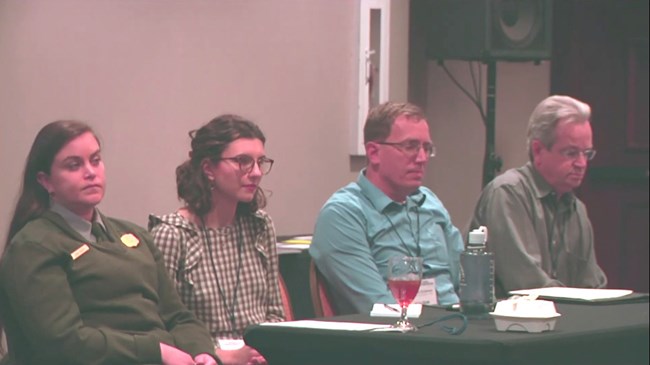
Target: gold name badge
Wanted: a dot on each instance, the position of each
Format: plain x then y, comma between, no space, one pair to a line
130,240
80,251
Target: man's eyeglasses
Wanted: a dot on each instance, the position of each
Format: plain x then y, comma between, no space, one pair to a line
412,147
574,153
246,163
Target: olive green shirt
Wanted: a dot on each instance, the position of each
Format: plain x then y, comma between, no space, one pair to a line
66,300
538,240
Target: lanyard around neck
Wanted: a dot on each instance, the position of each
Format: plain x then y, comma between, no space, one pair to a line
416,237
230,309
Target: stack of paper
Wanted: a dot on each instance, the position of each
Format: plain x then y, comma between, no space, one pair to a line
294,244
394,310
326,325
576,294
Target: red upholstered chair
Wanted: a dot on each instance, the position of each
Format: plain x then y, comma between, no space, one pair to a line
320,296
286,300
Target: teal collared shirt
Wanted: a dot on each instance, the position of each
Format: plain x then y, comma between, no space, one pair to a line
359,228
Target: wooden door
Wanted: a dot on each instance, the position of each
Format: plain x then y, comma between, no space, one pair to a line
600,56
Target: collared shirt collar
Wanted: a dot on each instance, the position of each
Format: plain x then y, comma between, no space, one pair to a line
77,223
543,188
380,200
177,220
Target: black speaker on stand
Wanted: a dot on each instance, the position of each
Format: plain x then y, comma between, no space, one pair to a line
488,31
485,30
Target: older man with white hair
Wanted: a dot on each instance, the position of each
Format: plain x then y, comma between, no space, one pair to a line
538,229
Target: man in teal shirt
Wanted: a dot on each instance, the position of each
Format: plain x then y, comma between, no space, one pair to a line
386,213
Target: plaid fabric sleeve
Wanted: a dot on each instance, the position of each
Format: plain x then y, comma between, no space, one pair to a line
168,242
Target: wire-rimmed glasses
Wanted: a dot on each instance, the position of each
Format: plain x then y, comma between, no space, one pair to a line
246,163
574,153
412,147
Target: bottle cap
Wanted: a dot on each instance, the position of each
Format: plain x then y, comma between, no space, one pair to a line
478,237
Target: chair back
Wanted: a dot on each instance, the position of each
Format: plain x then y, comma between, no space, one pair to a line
286,300
320,296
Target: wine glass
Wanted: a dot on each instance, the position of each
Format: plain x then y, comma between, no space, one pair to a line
404,277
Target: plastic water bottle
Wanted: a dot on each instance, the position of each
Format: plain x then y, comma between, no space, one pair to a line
477,276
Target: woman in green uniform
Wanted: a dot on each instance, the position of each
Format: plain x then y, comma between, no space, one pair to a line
78,287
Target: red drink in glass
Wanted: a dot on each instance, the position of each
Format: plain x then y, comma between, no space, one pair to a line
404,291
404,277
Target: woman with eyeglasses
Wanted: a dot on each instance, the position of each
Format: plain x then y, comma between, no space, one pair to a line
79,287
219,247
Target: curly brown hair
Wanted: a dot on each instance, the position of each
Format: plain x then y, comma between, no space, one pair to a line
210,141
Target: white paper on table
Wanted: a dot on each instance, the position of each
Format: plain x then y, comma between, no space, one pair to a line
394,310
302,238
574,293
339,326
296,246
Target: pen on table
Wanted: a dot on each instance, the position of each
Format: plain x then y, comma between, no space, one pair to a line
388,306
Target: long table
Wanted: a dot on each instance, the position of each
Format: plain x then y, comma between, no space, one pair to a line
584,334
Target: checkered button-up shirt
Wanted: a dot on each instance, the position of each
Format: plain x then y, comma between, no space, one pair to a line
190,265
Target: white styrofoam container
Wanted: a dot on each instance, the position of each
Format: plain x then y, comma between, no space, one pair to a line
525,324
525,315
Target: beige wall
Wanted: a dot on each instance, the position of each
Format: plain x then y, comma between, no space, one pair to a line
456,172
145,72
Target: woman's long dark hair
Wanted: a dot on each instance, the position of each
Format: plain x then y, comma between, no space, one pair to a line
34,199
210,141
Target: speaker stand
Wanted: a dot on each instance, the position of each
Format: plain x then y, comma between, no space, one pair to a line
491,162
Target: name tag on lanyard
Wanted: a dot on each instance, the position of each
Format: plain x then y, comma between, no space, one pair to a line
427,293
230,344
